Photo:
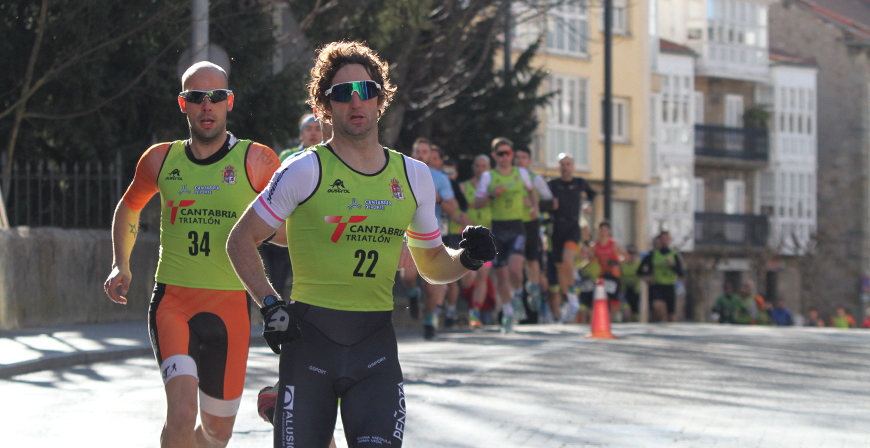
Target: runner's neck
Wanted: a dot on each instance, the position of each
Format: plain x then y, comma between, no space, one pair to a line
204,150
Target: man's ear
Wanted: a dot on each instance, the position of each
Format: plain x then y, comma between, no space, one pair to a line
182,104
230,99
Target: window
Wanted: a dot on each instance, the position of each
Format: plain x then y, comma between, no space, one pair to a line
735,192
623,222
699,194
527,26
567,122
734,111
620,17
653,149
621,131
699,107
567,28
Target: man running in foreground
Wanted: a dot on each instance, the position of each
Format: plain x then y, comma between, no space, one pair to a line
199,318
347,208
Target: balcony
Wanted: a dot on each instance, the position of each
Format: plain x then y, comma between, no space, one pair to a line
722,229
731,146
731,61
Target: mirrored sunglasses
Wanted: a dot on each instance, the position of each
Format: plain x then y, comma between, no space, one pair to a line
503,153
198,96
341,93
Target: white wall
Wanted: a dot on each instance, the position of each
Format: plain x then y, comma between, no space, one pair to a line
671,201
788,185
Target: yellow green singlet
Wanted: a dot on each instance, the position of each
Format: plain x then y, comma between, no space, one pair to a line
201,200
478,216
509,206
346,238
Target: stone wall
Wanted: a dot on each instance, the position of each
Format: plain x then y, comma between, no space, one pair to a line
842,252
51,276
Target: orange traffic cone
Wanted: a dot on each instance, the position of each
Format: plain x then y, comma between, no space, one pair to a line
600,314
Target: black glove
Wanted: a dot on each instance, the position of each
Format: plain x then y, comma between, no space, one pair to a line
478,247
279,325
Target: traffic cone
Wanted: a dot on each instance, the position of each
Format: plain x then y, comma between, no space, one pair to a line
600,314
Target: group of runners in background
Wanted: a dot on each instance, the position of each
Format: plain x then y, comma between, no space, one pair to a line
548,260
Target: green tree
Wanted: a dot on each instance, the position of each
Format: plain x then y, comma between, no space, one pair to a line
441,55
491,108
85,79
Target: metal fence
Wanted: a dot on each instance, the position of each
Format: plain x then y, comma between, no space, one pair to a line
740,143
81,195
730,230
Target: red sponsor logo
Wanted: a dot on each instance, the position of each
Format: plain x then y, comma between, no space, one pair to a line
171,204
340,226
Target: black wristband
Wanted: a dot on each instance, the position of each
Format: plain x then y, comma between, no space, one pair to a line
468,262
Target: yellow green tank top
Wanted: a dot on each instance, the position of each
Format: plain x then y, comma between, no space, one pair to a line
527,210
592,270
630,278
509,206
345,239
478,216
200,203
663,273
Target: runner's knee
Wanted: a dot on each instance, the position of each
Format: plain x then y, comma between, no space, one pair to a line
217,429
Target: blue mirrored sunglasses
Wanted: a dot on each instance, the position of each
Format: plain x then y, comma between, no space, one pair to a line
198,96
341,93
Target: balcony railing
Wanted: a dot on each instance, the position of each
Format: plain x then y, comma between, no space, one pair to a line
722,229
735,143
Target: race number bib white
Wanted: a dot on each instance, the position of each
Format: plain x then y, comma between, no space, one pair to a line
610,286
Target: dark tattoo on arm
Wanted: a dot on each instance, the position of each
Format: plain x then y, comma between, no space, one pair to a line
134,229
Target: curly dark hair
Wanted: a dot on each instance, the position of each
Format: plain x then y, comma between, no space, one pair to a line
331,58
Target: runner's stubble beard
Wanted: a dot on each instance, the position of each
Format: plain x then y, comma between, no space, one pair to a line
203,136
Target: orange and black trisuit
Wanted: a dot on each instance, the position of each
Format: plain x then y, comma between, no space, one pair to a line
611,272
199,315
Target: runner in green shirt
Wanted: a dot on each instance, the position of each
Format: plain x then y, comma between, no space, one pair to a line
507,190
347,205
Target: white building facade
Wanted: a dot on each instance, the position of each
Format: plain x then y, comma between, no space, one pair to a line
788,185
672,198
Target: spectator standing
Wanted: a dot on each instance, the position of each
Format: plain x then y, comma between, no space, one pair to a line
842,319
728,306
780,315
813,319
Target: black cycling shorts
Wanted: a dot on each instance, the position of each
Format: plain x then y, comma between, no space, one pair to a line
563,235
534,245
510,238
552,275
667,293
352,355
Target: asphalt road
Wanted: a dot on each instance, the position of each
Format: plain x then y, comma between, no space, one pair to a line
680,385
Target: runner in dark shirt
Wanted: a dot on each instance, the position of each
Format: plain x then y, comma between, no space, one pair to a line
567,204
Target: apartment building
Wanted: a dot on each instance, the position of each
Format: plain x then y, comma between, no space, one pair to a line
835,36
752,185
572,52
